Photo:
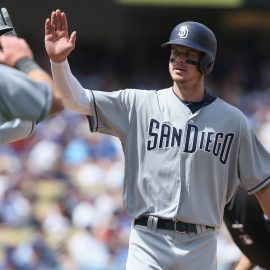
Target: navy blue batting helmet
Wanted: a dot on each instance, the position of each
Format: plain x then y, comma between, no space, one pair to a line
199,37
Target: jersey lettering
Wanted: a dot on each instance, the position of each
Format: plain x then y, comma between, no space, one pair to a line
163,135
226,147
153,132
191,138
176,137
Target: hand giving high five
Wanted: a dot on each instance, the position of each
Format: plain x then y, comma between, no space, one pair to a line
58,43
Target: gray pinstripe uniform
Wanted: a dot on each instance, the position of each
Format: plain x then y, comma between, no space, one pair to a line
21,99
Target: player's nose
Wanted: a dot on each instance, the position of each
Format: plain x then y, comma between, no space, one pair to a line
178,60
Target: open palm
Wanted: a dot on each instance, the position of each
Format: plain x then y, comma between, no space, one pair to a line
58,44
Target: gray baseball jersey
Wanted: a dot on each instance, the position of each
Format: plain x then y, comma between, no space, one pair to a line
179,164
15,130
23,98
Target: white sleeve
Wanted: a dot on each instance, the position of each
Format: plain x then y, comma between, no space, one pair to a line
75,97
15,130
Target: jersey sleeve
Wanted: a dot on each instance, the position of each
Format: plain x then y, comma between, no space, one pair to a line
15,130
22,97
112,111
254,161
75,97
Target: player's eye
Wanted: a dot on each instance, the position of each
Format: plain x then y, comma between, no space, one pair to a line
175,53
181,53
191,55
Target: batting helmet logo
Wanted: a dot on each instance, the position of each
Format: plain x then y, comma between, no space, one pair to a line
183,32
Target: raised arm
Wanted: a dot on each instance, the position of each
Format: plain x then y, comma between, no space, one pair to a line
59,45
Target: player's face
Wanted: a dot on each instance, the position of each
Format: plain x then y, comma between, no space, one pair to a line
180,69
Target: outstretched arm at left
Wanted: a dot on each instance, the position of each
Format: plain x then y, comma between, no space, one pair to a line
16,53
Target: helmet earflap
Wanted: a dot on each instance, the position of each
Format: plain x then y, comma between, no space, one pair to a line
206,64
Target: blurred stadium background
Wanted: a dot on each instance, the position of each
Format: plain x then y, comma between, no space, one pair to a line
60,190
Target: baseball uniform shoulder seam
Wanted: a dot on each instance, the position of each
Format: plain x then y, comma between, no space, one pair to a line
143,95
230,108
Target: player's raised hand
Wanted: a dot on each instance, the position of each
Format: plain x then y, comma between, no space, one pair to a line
58,43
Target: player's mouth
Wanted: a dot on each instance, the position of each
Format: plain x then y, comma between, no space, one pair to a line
179,69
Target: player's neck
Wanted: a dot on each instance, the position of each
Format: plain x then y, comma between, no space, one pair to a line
191,94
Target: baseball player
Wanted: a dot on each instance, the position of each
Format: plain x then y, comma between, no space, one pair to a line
24,100
250,230
185,149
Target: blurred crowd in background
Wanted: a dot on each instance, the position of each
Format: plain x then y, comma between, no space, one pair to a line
60,190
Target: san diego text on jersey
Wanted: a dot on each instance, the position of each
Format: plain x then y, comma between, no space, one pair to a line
163,135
